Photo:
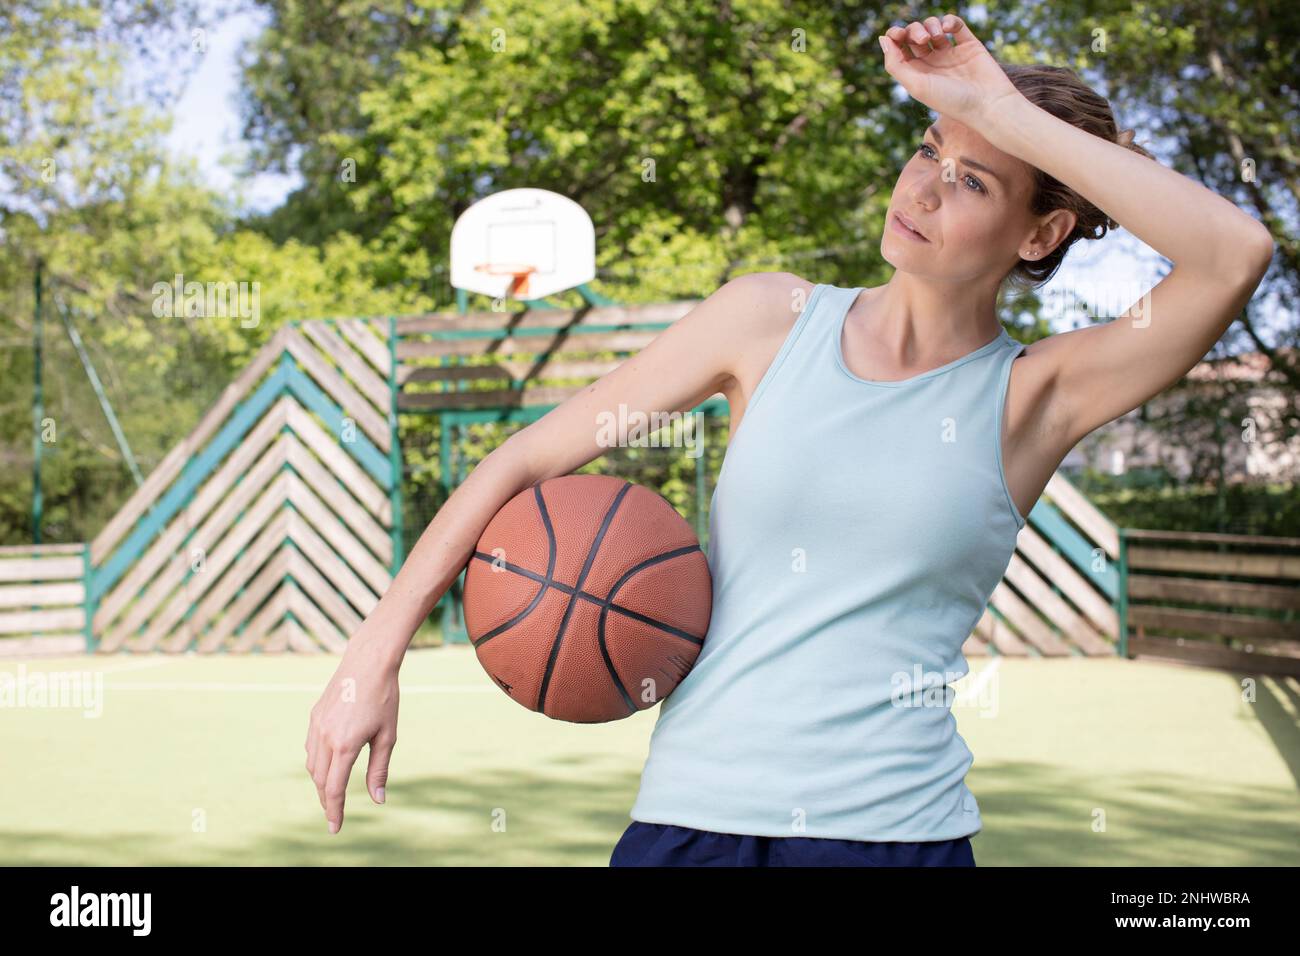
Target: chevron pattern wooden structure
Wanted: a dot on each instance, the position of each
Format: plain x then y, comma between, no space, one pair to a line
1061,589
273,525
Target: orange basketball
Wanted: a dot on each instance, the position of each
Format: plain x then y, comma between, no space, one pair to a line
587,598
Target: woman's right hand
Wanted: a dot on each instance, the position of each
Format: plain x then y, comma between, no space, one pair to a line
358,707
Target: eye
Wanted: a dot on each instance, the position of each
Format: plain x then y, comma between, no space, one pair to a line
978,187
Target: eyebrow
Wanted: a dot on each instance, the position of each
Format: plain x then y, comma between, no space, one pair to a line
969,162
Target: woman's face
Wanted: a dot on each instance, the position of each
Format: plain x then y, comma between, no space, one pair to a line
968,199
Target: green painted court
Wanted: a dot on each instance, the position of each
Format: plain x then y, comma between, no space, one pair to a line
198,759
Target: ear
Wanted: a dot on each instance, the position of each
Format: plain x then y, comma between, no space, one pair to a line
1052,228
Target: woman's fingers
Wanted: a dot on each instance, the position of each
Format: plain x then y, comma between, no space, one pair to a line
919,37
381,752
899,36
320,766
957,27
336,786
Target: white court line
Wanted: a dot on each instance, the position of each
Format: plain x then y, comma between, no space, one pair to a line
277,688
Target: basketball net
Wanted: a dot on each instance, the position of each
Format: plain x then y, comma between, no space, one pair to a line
519,284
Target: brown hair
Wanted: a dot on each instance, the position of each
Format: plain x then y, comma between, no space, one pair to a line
1059,91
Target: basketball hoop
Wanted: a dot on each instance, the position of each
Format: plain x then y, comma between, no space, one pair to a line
519,285
525,243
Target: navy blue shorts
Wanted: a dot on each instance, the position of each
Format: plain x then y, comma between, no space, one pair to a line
664,844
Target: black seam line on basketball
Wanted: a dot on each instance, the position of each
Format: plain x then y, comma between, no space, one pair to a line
577,586
550,569
609,664
588,596
599,630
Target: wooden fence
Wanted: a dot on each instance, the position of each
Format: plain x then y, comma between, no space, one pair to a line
1225,600
1059,594
43,599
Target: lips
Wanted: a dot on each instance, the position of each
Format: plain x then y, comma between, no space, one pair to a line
910,226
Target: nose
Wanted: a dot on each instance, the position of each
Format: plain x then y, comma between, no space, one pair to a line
923,191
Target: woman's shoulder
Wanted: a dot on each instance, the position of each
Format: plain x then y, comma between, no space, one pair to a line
783,285
771,301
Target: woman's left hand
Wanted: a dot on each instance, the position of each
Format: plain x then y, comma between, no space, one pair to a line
960,80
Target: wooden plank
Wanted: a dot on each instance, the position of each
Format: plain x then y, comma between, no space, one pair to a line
1052,606
1211,537
1210,655
67,645
214,594
341,464
529,397
344,395
271,613
255,567
508,369
333,530
1214,623
166,471
166,564
215,492
545,318
328,488
1023,618
290,635
317,625
374,348
300,641
42,595
39,550
361,375
41,569
1082,592
1000,636
258,521
342,577
278,639
1211,562
500,398
526,345
311,583
34,622
1201,591
264,582
1091,521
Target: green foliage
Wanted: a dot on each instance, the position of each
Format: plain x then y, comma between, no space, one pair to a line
1152,500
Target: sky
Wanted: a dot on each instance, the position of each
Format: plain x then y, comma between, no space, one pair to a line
206,121
207,127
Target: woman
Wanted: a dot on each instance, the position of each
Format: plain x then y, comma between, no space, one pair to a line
894,439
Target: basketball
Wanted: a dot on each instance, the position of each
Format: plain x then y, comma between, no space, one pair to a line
587,598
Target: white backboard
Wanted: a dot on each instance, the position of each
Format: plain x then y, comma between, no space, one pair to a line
525,227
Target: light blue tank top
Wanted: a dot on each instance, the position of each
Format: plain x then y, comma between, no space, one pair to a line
858,529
